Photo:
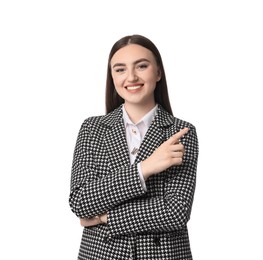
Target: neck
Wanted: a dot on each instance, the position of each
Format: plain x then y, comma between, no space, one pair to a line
137,112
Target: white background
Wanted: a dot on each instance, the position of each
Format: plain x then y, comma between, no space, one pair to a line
53,57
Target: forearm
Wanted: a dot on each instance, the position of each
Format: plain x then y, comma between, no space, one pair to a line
98,196
147,215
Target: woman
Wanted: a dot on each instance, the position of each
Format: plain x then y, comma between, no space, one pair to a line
134,169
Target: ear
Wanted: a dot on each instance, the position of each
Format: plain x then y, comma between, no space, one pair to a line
159,75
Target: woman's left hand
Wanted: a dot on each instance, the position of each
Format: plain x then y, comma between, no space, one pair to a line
88,222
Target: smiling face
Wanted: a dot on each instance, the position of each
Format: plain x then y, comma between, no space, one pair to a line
135,73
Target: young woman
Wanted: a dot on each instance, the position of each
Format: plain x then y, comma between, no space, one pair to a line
134,169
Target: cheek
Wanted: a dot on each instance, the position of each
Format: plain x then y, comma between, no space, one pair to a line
153,76
119,89
116,83
119,82
153,80
118,86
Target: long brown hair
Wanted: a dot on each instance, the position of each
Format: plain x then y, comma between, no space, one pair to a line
113,100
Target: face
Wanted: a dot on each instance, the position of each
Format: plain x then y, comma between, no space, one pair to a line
135,73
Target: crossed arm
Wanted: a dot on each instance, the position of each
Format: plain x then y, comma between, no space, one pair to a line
170,153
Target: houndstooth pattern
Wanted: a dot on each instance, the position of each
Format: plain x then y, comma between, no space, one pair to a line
141,224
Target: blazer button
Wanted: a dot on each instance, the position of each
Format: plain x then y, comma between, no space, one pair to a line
156,241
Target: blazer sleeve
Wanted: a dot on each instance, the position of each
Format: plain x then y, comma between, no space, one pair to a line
169,209
92,191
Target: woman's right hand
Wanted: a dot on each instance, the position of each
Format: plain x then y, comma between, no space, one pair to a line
88,222
169,153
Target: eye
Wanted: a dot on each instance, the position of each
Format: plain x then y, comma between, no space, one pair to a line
142,66
119,70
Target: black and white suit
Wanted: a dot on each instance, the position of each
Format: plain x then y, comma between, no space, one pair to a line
148,224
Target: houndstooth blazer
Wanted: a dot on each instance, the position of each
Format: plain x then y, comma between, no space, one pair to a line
141,224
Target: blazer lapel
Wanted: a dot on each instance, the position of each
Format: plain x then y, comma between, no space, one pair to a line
153,138
155,135
115,140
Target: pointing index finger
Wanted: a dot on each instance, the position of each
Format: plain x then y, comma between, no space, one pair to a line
175,138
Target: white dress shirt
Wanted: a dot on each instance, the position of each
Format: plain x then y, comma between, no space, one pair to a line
135,134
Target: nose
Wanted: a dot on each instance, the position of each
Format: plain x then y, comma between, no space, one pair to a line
132,77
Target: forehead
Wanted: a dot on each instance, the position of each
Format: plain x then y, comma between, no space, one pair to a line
131,53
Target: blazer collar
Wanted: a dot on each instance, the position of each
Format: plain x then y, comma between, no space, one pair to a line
162,118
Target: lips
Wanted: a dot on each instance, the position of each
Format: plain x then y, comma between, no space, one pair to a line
133,87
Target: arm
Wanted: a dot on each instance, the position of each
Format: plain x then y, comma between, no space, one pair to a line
165,211
94,192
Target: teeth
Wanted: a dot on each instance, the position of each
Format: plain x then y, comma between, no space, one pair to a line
133,87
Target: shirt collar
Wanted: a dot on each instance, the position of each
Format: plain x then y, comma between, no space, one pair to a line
146,120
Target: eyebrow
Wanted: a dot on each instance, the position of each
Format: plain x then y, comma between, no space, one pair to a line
136,62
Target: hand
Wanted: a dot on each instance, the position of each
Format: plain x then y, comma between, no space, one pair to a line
88,222
168,154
